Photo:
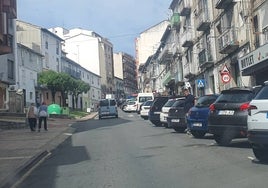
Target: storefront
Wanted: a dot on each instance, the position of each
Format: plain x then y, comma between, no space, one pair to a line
255,64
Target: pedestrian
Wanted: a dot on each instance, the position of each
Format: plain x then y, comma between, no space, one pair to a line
189,100
42,114
32,116
188,103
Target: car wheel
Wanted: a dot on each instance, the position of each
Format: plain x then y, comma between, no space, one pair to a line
223,139
165,125
261,154
198,134
99,117
179,129
157,123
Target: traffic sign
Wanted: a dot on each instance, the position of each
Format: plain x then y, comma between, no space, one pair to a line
226,78
225,70
200,83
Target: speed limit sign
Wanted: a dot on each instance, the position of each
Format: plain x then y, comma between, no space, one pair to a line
225,78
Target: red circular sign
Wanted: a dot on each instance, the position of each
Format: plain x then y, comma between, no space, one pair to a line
225,78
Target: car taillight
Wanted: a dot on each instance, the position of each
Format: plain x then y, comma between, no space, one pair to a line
251,107
244,107
212,107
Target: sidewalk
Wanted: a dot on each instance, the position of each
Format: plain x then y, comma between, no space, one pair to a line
21,149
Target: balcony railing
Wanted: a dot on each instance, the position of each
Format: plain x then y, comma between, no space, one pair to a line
6,42
228,41
175,20
187,38
223,4
166,55
205,59
185,9
203,20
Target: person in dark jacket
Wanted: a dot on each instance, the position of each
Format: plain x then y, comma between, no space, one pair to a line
189,100
188,103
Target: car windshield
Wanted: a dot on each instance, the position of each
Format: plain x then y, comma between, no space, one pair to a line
147,103
205,101
145,98
178,103
170,103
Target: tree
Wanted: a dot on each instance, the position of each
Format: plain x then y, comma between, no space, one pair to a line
49,80
78,88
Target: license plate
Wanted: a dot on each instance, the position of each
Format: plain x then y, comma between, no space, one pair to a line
226,112
105,113
197,124
175,120
157,112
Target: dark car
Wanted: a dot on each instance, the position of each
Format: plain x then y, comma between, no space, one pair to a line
228,114
197,117
155,110
176,116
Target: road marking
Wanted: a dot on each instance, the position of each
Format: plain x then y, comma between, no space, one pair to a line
251,158
68,134
8,158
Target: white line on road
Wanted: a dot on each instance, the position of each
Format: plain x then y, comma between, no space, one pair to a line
8,158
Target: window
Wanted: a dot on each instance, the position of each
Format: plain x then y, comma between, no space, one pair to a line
46,45
265,33
10,69
31,95
57,47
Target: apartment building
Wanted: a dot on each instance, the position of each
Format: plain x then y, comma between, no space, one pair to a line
8,14
210,46
90,50
126,71
146,45
253,59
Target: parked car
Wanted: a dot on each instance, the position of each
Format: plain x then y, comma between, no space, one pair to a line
176,116
155,110
145,107
131,106
197,117
228,114
258,124
164,111
107,107
143,97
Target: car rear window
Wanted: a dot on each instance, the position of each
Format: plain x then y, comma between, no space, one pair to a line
205,101
263,93
104,103
235,97
145,98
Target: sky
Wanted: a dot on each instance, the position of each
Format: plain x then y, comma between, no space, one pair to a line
120,21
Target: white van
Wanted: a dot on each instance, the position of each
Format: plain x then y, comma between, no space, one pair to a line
107,107
143,97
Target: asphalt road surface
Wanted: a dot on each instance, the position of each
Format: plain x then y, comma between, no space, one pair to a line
129,152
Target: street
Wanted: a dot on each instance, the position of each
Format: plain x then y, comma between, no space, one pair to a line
131,152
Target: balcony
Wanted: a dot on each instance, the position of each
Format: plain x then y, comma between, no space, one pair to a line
203,21
6,41
228,42
168,78
205,59
175,20
166,55
185,9
187,39
10,7
223,4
